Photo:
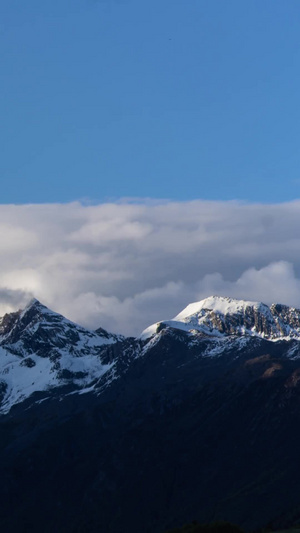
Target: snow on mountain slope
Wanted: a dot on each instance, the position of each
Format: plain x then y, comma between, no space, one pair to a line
219,316
218,304
40,349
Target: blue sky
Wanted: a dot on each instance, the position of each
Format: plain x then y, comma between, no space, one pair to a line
163,99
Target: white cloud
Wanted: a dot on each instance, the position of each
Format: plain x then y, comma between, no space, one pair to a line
15,239
122,266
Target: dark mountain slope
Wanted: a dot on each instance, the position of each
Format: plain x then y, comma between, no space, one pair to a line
195,428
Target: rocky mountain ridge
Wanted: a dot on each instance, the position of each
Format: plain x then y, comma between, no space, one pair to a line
219,316
40,350
197,419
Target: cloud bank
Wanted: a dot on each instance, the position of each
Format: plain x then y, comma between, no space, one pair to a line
123,266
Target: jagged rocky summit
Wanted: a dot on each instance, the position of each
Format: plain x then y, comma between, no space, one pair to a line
219,316
41,350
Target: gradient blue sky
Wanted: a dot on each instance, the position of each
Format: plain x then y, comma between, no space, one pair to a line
163,99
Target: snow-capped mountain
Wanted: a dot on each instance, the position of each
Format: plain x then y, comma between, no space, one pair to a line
40,350
196,419
218,316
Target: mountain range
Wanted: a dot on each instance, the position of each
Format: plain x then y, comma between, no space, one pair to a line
197,418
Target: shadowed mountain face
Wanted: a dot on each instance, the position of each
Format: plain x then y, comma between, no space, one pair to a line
188,422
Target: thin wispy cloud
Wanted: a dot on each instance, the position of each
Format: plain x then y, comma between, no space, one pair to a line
125,265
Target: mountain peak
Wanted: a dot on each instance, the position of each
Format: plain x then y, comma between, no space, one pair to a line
32,303
40,349
218,316
219,304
